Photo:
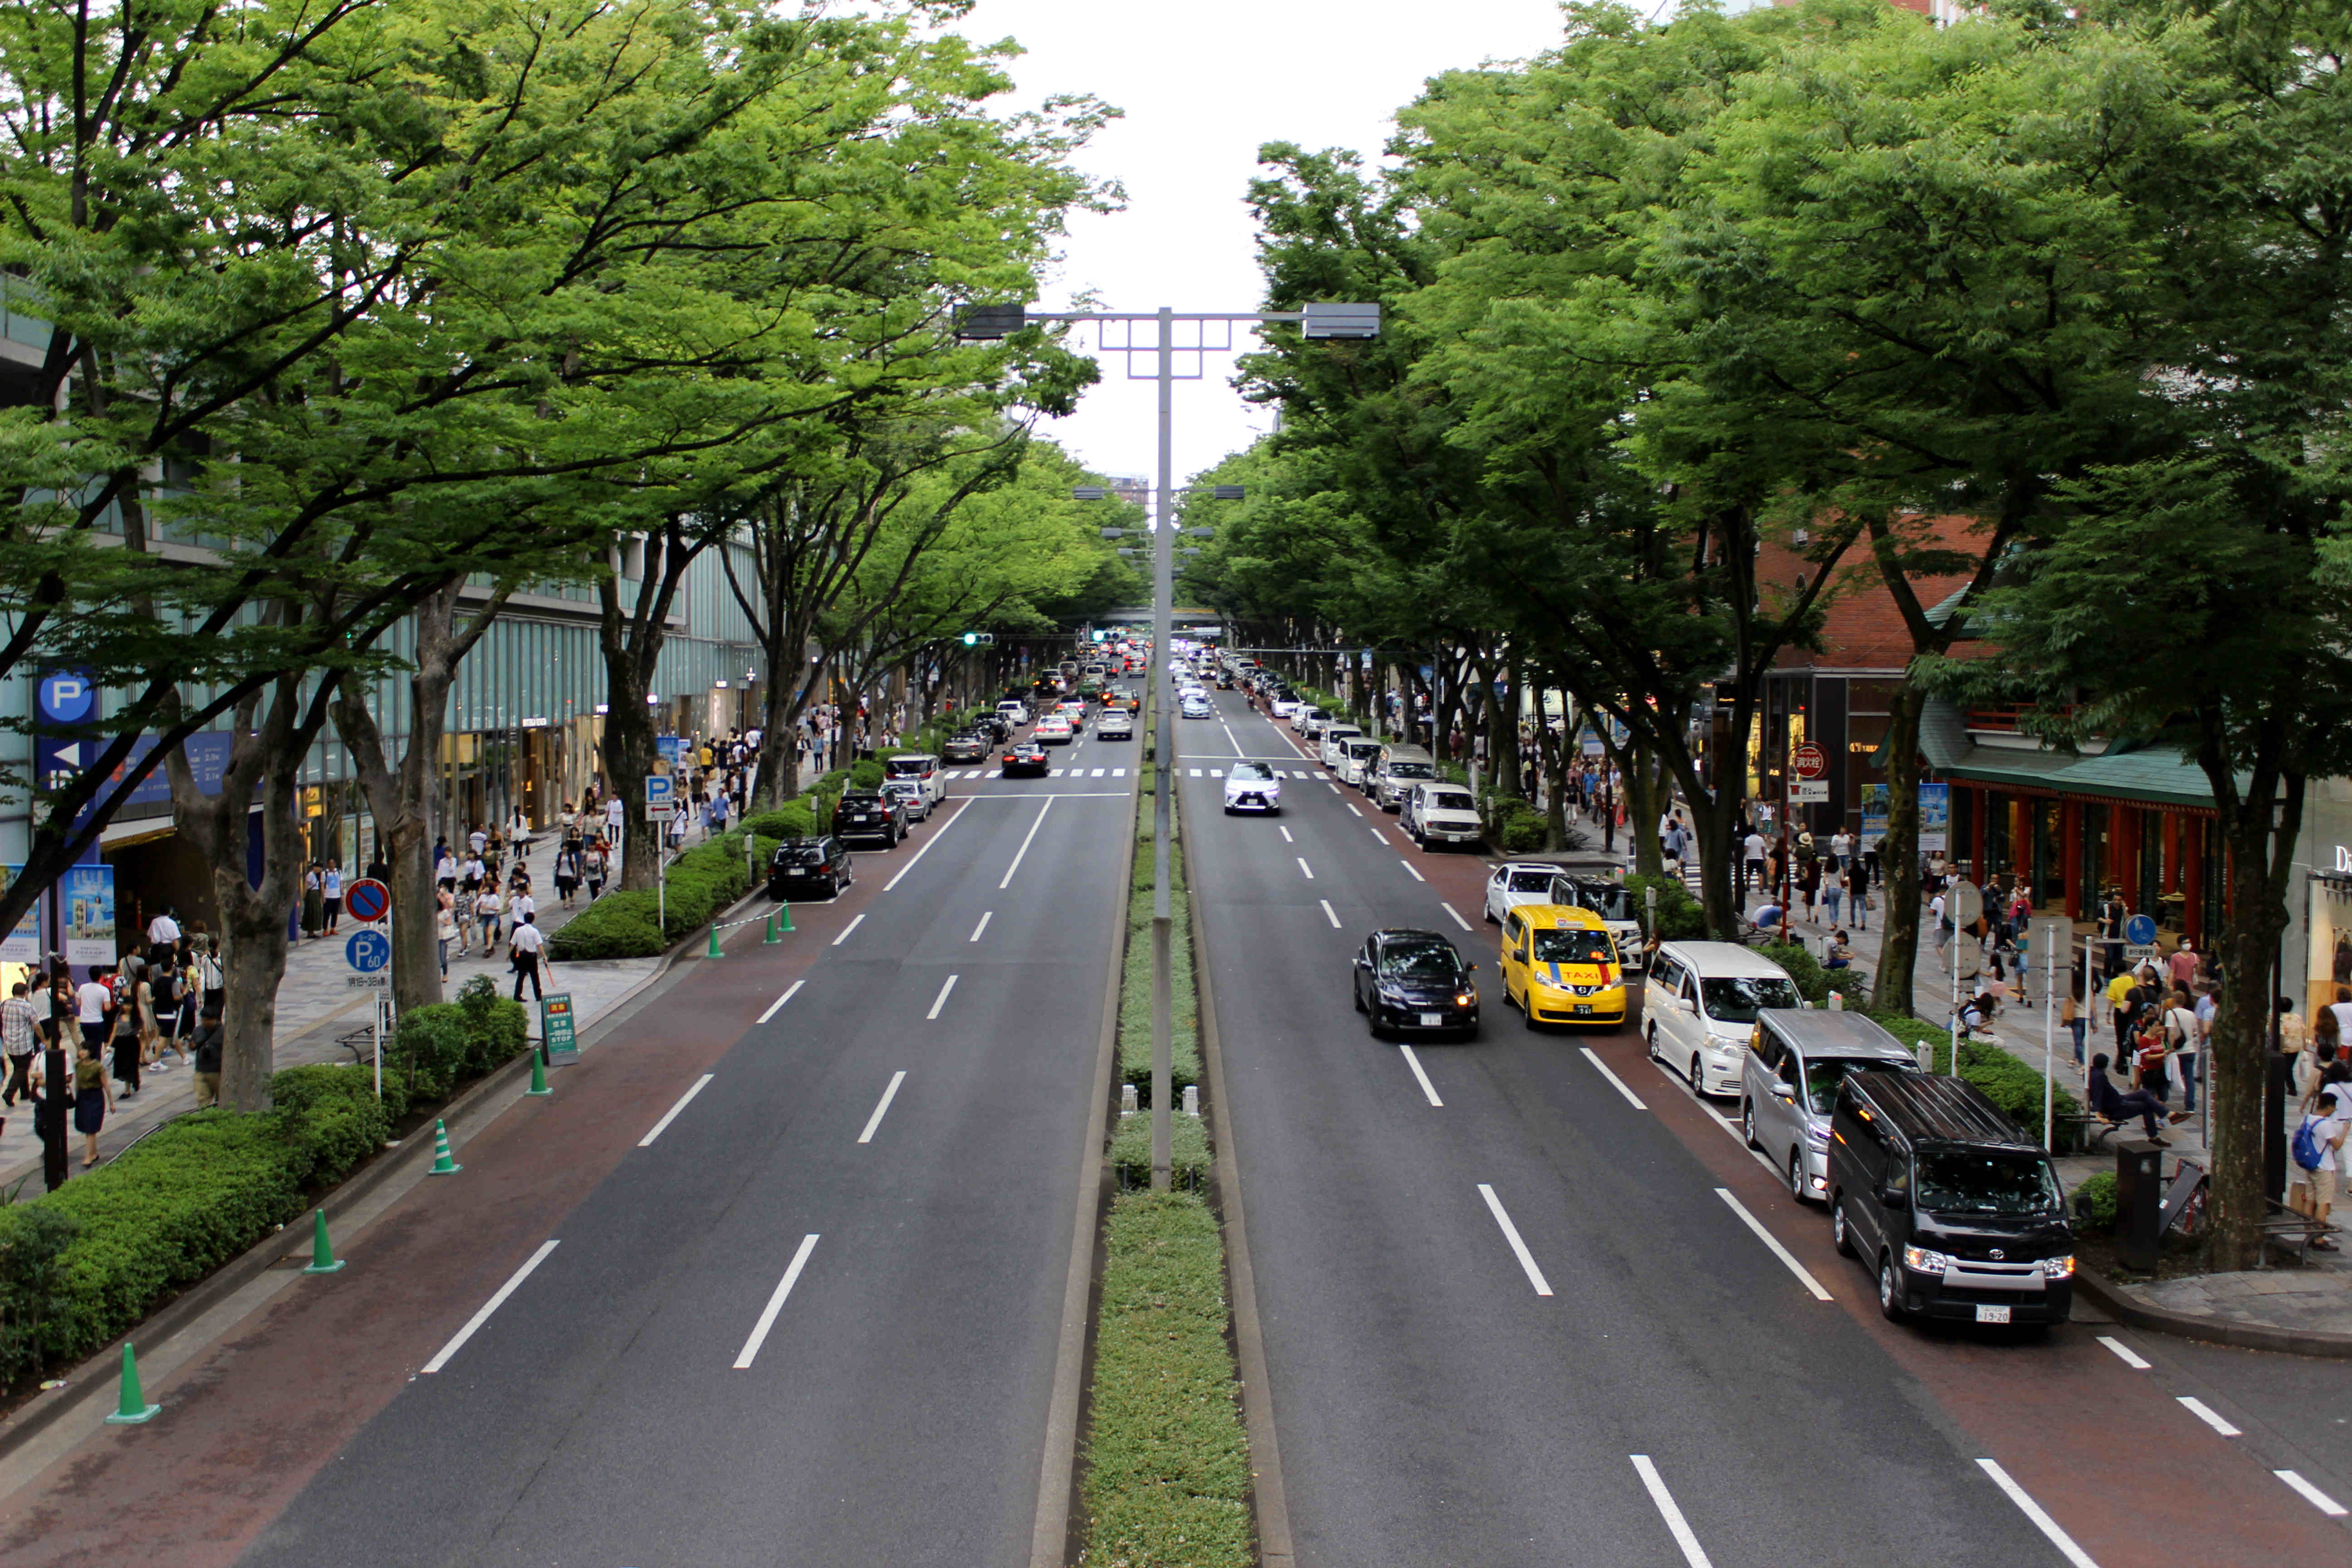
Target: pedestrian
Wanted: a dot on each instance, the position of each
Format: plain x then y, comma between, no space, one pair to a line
16,1041
478,840
314,902
1831,894
91,1004
519,834
445,925
2070,1014
122,1028
331,889
2180,1035
1809,877
162,936
1752,852
526,946
93,1098
2342,1009
567,874
205,1058
487,908
208,969
520,905
1943,926
1858,898
466,907
445,870
2120,1003
2321,1136
2118,1107
139,995
1840,849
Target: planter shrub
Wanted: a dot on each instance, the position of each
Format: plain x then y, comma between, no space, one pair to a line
430,1048
1681,918
2005,1080
866,774
618,925
2094,1203
793,819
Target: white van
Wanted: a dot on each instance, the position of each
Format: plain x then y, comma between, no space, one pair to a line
1355,759
1015,713
1438,812
921,768
1332,743
1699,1004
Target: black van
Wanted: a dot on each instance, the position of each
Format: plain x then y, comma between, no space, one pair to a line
1953,1206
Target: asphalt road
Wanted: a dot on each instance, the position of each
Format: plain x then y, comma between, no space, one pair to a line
648,1395
1650,1367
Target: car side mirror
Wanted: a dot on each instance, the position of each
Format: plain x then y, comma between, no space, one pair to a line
1473,968
1889,1198
1685,1005
1782,1091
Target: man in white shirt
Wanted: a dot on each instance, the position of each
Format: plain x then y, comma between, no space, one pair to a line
1840,849
614,812
94,999
1936,917
1752,851
162,937
526,944
478,841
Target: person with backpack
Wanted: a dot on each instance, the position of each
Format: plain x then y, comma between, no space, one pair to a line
2318,1151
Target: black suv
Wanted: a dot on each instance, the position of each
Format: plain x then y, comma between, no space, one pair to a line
869,813
1413,981
1953,1206
800,865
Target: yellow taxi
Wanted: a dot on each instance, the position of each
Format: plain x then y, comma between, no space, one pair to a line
1561,966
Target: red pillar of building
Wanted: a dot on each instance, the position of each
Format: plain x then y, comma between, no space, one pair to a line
2172,882
2070,839
2193,882
1979,804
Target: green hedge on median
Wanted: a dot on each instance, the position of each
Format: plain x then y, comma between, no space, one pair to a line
80,1265
1167,1472
1135,979
1187,1151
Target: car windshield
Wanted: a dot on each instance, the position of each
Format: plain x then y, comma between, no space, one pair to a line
1431,964
907,767
1411,770
1450,800
800,855
1252,771
1989,1182
1609,900
1574,945
1532,881
1823,1078
1736,999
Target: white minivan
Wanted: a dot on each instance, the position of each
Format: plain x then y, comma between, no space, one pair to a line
1331,745
921,768
1699,1004
1438,813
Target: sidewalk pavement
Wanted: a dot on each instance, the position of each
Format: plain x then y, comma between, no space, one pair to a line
314,1005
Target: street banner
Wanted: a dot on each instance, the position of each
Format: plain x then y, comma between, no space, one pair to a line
89,914
1935,818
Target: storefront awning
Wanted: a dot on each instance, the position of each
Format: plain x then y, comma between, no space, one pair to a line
2142,777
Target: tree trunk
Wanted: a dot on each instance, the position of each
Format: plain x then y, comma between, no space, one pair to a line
628,762
1504,729
1643,810
2259,830
1898,853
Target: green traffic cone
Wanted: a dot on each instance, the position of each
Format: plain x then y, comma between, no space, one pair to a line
772,939
322,1255
443,1166
132,1408
714,952
538,1072
785,912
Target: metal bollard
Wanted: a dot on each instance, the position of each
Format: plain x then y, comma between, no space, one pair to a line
1192,1099
1128,1104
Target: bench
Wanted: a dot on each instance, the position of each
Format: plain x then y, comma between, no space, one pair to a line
2092,1128
2283,1227
360,1042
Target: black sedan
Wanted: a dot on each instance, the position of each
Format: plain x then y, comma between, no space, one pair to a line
1025,757
970,746
1414,982
869,813
803,865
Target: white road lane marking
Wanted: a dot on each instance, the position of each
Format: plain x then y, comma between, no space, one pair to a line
1286,838
1024,850
492,1305
1602,1068
1303,866
2208,1414
1377,834
941,999
985,916
1415,874
774,1007
1769,1239
2130,1357
1332,912
775,1304
851,926
1449,910
1511,1234
671,1115
1236,745
2312,1494
1354,813
1693,1552
1328,785
888,1095
2041,1518
1426,1087
926,849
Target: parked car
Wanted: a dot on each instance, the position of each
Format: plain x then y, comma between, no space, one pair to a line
909,793
1699,1008
1115,724
869,813
1796,1063
1025,758
801,865
1516,882
1331,741
1413,981
1950,1204
1439,813
1561,967
1253,786
1355,760
923,769
1613,902
965,746
1400,768
1014,713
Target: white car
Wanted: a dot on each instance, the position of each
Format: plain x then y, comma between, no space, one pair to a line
1441,813
1284,707
1115,724
1052,731
1332,743
1518,882
1195,705
1014,713
1699,1004
1253,786
1357,760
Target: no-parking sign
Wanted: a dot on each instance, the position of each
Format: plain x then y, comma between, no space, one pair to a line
367,901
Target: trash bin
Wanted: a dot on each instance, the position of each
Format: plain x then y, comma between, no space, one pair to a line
2139,1203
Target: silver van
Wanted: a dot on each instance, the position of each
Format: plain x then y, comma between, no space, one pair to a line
1400,768
1788,1084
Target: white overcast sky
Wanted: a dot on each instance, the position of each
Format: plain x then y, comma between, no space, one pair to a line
1204,83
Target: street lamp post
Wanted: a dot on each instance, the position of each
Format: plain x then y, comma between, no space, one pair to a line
1318,319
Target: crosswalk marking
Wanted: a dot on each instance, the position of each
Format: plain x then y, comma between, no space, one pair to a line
1196,773
1325,777
1216,773
1053,772
1118,773
1097,772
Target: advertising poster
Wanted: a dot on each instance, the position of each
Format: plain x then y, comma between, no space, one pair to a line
1934,817
1873,816
22,945
89,914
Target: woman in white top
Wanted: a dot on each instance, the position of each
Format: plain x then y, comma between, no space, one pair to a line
487,906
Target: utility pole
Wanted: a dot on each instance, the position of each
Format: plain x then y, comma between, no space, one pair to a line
1316,320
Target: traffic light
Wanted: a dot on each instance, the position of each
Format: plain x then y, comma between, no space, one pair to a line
980,639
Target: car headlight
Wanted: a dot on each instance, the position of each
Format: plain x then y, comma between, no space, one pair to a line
1819,1137
2058,1267
1465,998
1925,1261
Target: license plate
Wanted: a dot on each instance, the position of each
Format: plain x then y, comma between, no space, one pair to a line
1431,1020
1992,1314
1583,1010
